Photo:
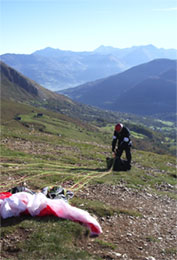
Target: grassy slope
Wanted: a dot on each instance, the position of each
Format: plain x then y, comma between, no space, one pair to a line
16,87
55,150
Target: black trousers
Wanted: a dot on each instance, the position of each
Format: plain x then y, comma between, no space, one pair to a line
127,148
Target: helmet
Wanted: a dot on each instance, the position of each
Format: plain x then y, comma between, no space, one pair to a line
118,127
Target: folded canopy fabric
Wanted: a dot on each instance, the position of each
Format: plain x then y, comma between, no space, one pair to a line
39,205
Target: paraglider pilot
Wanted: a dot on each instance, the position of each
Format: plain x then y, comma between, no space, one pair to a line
121,142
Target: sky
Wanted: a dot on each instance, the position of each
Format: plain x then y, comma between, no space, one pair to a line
84,25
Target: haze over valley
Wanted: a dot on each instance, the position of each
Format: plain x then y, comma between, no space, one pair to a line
57,69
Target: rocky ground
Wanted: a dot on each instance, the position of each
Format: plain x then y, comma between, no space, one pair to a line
149,236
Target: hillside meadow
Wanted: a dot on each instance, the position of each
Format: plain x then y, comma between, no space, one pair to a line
52,149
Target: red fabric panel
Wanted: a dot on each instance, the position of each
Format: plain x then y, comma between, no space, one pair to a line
4,195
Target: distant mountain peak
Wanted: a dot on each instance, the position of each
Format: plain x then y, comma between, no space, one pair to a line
149,46
47,51
103,48
58,69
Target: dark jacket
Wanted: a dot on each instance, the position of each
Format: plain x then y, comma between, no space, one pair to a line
120,137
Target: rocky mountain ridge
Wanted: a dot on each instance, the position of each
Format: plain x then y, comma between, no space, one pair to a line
56,69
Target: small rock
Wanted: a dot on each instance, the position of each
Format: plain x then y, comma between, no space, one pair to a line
150,258
117,254
149,195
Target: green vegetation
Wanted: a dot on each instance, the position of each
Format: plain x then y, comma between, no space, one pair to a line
47,238
170,251
105,244
55,150
103,210
56,147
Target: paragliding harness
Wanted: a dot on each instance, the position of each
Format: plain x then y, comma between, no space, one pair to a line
57,192
117,164
20,189
52,192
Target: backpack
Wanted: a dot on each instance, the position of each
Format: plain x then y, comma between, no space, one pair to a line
118,164
121,165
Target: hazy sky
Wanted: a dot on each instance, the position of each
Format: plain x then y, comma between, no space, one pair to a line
84,25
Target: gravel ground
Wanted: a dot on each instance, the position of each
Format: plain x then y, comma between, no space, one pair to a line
150,236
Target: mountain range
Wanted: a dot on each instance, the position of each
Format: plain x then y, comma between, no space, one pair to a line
21,95
146,89
17,88
56,69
